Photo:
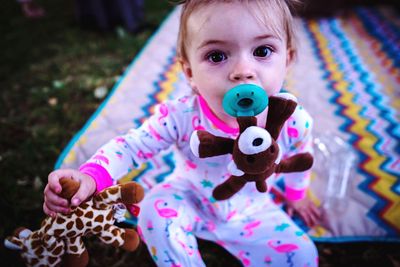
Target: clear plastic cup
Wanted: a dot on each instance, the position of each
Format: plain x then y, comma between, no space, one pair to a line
335,161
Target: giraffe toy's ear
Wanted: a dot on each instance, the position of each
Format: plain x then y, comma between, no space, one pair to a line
16,242
13,243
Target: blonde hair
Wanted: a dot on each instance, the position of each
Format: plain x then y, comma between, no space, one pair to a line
282,9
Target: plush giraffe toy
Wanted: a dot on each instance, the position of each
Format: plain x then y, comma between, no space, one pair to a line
256,154
59,240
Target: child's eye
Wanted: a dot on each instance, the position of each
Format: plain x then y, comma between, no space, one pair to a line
262,51
216,56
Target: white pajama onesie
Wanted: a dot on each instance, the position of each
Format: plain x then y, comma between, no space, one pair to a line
249,225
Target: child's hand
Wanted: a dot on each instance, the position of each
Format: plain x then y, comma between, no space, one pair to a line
53,203
306,209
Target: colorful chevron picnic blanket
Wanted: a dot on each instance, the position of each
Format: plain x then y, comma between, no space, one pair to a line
347,76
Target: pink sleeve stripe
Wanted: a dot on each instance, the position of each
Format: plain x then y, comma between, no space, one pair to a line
214,119
99,175
294,194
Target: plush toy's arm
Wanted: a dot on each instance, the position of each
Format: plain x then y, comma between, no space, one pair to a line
229,187
297,163
281,107
204,144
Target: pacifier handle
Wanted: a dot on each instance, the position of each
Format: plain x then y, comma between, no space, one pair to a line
245,100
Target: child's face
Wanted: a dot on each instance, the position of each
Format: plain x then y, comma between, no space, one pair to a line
228,46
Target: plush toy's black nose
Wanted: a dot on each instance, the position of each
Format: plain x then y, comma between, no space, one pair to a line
257,142
245,102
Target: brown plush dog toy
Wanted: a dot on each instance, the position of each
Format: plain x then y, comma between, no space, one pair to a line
256,154
59,240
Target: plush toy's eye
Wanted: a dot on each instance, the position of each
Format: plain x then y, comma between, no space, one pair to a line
257,142
254,140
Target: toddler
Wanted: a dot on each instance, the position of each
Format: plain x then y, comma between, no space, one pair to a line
31,9
221,44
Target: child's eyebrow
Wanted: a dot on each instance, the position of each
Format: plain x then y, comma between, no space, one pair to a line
216,41
266,36
211,42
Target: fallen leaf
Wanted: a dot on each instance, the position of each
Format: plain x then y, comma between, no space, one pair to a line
58,84
53,101
100,92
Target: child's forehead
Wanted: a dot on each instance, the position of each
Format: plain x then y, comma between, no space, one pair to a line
219,15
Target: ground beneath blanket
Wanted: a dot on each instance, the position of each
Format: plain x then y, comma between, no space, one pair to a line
341,255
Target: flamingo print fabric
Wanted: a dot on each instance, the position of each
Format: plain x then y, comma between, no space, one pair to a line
172,124
182,207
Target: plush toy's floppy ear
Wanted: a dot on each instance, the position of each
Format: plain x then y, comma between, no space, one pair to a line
245,122
281,107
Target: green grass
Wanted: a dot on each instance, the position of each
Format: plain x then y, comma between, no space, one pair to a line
49,71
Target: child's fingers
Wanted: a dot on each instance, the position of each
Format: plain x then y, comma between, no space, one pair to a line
310,217
307,219
54,179
53,198
51,209
55,204
289,211
82,194
55,176
86,189
48,211
316,212
315,216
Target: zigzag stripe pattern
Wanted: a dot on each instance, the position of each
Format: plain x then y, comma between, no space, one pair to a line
163,88
383,71
376,106
383,77
390,34
387,33
147,174
389,39
357,123
374,109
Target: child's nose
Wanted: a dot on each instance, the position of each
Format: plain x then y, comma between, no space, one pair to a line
242,72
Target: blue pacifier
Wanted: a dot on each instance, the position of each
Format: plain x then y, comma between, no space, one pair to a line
245,100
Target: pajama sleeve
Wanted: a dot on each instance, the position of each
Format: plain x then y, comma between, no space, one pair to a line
297,138
126,152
